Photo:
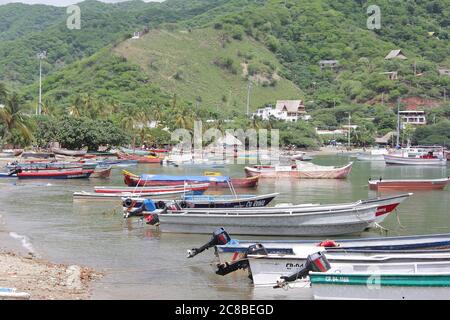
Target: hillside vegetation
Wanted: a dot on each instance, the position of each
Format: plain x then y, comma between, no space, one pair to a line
210,68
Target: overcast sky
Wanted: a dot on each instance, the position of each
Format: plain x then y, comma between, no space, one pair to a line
60,3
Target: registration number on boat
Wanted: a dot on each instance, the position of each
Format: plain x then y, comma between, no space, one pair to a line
336,279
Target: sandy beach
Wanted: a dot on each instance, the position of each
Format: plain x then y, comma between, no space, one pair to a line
44,280
20,268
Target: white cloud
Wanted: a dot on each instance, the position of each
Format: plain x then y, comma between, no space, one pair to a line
62,3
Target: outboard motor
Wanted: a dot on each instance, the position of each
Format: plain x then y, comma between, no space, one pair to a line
219,237
132,211
152,219
316,262
226,268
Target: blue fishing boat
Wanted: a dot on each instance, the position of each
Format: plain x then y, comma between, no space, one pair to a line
138,206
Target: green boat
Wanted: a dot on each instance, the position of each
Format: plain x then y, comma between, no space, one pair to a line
354,286
138,152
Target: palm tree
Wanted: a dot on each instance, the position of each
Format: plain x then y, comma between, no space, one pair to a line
14,119
49,108
75,109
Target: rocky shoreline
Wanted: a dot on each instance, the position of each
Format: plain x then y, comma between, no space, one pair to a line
44,280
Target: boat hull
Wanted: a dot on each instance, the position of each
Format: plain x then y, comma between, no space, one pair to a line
397,160
268,269
197,189
132,181
250,202
327,223
119,196
237,249
303,172
380,287
70,153
102,173
83,174
431,184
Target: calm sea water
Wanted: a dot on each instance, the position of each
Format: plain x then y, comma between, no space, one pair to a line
141,263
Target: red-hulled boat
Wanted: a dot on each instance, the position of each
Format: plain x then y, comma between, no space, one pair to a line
251,182
195,187
132,180
410,184
54,174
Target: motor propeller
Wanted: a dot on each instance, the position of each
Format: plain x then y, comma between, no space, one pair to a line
226,268
316,262
219,237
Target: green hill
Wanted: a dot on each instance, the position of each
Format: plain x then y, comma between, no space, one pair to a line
209,45
206,66
27,29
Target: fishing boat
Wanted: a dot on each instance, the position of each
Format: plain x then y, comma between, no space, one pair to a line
267,269
50,165
138,152
196,188
37,155
337,284
303,170
166,195
131,179
273,221
416,161
102,172
70,153
140,159
372,155
194,201
13,294
308,170
419,156
236,249
56,174
408,184
117,162
250,182
271,171
10,153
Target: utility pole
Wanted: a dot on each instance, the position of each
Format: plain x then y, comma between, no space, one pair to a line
249,87
349,129
41,55
398,123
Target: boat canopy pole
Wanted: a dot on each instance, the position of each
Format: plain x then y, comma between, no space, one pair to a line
231,186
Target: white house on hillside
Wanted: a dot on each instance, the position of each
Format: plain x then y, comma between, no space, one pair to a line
413,117
286,110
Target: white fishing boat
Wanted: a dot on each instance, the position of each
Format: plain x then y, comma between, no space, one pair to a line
13,294
275,221
166,195
236,249
267,269
424,156
302,170
372,155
